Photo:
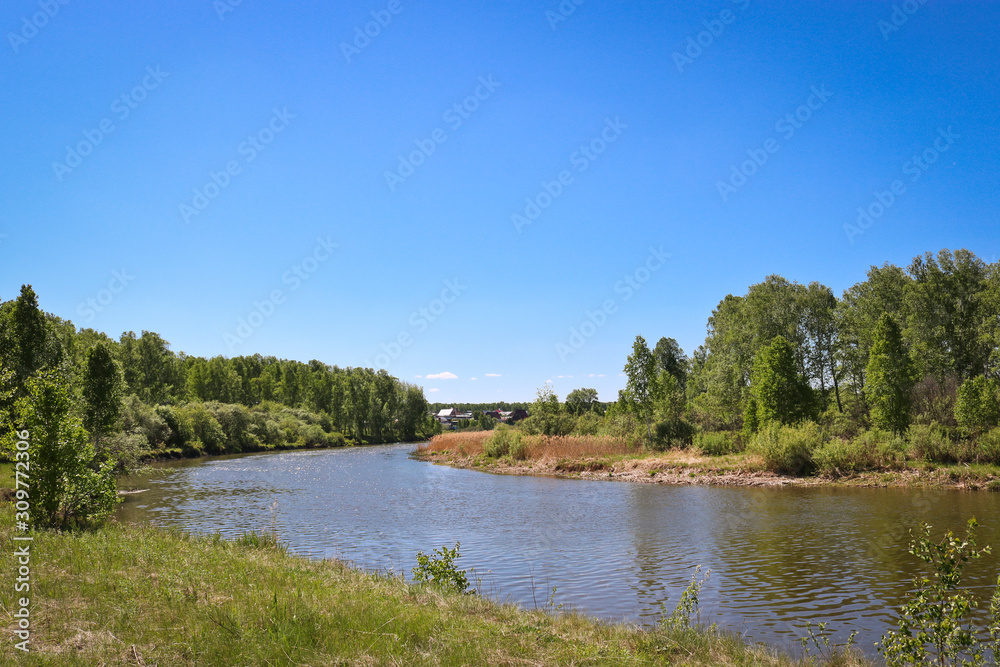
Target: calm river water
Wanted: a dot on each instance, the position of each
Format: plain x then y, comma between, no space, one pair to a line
614,550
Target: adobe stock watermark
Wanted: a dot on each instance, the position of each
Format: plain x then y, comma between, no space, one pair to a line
714,27
89,308
30,27
579,161
223,7
122,107
562,12
915,167
786,126
629,284
22,553
454,116
248,149
419,321
294,277
381,18
901,13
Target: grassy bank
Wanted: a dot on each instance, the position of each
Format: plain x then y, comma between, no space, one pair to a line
128,595
609,458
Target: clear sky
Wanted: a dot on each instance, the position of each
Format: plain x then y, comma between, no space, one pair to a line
459,186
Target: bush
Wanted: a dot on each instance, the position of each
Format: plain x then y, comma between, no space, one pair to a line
787,449
588,424
930,442
122,451
871,450
839,424
671,433
440,569
987,449
718,443
977,406
137,417
503,441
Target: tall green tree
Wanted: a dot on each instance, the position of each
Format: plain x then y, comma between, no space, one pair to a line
858,313
670,358
28,342
581,400
778,391
640,386
103,391
891,377
945,314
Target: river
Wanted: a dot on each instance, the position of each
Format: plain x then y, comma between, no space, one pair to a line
615,550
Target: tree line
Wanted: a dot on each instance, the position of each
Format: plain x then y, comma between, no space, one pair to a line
115,401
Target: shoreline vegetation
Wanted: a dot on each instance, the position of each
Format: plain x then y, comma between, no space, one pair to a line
140,595
615,459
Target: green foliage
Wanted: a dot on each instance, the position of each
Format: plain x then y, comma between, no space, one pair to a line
103,390
779,393
717,443
505,441
672,433
588,423
640,385
891,378
440,569
933,623
66,490
580,401
930,442
870,450
687,606
787,449
978,403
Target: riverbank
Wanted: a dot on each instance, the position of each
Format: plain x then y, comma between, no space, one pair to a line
137,595
599,458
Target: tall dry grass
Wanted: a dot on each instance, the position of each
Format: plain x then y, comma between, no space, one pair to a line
539,446
466,443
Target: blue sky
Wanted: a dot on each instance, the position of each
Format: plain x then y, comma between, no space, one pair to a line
272,179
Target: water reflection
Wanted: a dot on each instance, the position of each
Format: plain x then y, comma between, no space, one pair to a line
614,550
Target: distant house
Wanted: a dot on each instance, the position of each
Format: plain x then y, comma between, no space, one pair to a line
518,415
446,413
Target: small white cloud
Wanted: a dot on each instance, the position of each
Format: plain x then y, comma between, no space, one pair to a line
601,375
548,382
591,375
473,378
418,376
434,389
492,375
442,376
559,376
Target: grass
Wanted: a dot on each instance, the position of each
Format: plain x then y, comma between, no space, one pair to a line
137,595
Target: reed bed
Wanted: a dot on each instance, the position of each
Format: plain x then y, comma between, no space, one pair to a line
472,443
465,443
576,446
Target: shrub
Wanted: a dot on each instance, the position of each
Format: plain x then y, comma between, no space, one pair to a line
871,450
440,569
122,451
137,417
839,424
987,449
717,443
930,442
504,440
787,449
671,433
977,406
588,424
